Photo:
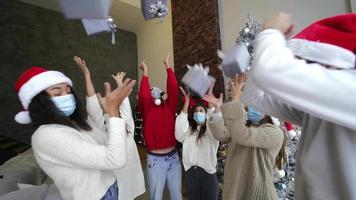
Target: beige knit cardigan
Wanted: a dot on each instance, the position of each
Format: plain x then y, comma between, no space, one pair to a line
250,155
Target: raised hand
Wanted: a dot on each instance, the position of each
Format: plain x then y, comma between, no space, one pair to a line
210,93
186,96
166,61
113,98
82,65
144,68
187,100
119,77
281,22
237,85
211,99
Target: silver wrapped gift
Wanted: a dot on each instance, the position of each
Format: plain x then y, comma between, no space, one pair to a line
95,26
236,61
89,9
154,9
197,79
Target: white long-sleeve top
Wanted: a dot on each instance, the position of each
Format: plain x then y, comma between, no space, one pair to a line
81,163
200,153
130,178
316,98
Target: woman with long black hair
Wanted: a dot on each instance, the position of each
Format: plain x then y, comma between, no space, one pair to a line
77,154
199,151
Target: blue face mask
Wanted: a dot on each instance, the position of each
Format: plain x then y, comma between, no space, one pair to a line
65,103
199,117
253,116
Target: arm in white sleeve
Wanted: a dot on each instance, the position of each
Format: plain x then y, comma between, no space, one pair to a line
95,113
311,88
63,146
182,127
126,114
254,96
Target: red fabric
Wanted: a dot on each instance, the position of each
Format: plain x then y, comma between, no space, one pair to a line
193,103
338,30
27,75
288,126
159,121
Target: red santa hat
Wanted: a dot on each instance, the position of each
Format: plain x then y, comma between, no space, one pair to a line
32,82
330,41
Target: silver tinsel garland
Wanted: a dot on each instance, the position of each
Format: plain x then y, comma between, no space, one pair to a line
248,33
285,187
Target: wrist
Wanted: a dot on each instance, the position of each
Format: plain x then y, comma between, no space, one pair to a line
114,113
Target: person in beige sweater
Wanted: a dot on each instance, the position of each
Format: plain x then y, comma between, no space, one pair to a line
252,150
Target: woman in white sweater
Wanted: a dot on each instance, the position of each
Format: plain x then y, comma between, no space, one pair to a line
199,152
130,179
79,155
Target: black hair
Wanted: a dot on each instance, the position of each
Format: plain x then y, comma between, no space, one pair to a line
194,125
43,111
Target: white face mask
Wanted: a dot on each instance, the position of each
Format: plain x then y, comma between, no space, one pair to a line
199,117
65,103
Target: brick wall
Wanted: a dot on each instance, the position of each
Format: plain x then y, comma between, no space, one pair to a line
196,37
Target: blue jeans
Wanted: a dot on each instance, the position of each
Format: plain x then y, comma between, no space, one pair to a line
161,169
112,193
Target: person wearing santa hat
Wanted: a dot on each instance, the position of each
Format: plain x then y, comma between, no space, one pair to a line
163,163
77,154
308,81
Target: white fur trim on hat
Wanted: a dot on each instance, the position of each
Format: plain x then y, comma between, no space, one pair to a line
39,83
323,53
23,117
275,121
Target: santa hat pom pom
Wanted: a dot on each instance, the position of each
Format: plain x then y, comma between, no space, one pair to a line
23,117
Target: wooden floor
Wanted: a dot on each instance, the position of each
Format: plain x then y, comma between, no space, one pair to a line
143,155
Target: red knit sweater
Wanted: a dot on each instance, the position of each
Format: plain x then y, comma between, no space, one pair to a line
159,121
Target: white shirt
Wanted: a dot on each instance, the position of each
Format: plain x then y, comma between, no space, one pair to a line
316,98
130,178
81,163
200,153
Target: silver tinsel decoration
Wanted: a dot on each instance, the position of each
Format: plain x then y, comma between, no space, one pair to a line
285,187
248,33
158,10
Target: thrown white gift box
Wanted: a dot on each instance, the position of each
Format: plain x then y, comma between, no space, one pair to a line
88,9
95,26
197,79
236,61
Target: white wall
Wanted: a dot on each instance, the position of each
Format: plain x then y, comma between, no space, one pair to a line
353,5
154,41
304,12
